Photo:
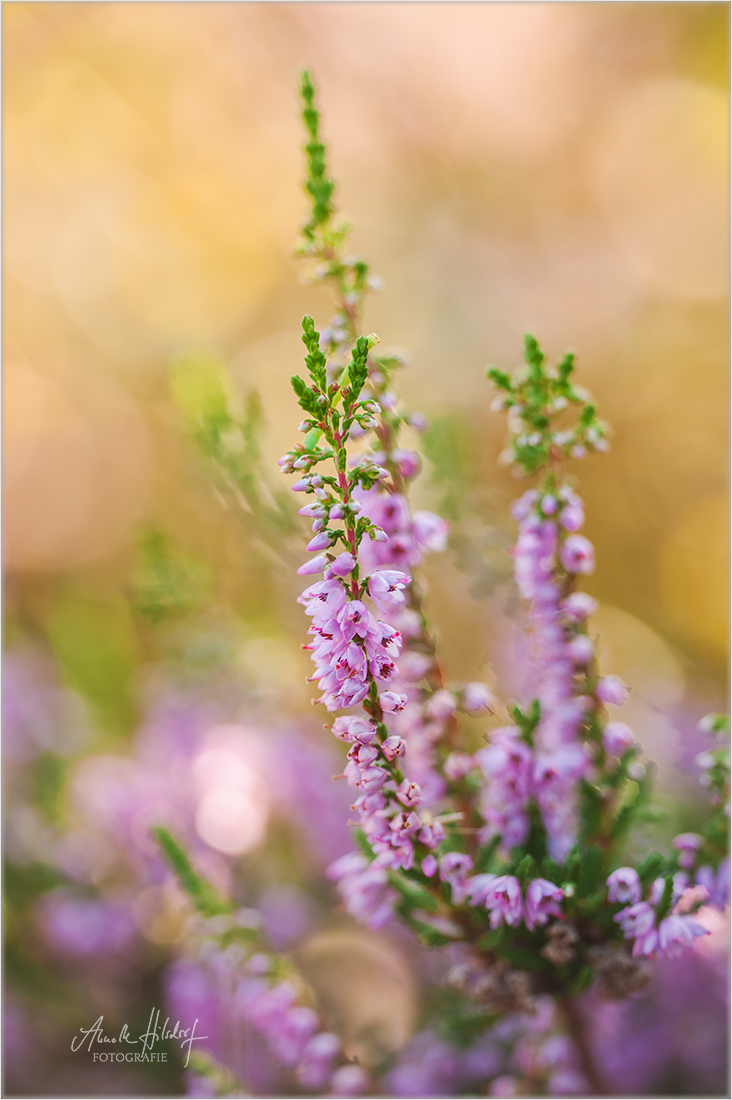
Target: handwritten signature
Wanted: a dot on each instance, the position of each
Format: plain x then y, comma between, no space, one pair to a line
156,1033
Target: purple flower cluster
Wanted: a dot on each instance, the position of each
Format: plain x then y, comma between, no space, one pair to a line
352,648
501,895
292,1030
388,808
409,536
639,919
230,990
548,556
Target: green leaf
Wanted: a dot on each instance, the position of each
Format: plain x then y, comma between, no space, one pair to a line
533,354
565,366
206,900
524,959
500,379
526,870
590,870
412,892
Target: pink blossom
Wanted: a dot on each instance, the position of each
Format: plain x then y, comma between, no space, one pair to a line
348,1081
386,588
409,794
430,532
432,834
454,869
429,866
392,702
503,900
315,565
458,765
617,738
442,705
320,542
572,519
314,1069
624,886
406,462
577,554
687,844
478,887
611,689
476,698
542,901
637,920
675,933
578,606
393,746
353,728
581,649
343,565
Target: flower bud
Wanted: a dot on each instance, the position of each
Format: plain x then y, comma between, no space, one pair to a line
617,738
611,689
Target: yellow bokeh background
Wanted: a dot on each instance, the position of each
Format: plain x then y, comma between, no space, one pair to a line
561,168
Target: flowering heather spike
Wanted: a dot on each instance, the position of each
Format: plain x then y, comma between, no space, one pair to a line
557,788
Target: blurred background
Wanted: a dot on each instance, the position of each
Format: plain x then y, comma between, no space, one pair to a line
557,168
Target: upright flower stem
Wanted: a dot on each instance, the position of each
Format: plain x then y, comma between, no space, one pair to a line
575,1022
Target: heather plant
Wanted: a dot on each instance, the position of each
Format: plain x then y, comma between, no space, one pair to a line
517,855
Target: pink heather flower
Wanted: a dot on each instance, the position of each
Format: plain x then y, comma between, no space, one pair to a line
321,541
577,554
675,933
542,901
386,588
364,889
429,866
363,755
503,900
458,765
356,618
571,519
343,565
372,779
581,649
637,920
441,706
718,886
617,738
348,1081
476,697
406,462
624,886
478,887
316,565
430,532
687,844
455,868
393,746
301,486
352,728
313,511
611,689
578,606
314,1069
418,421
433,834
409,794
549,505
690,900
392,702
